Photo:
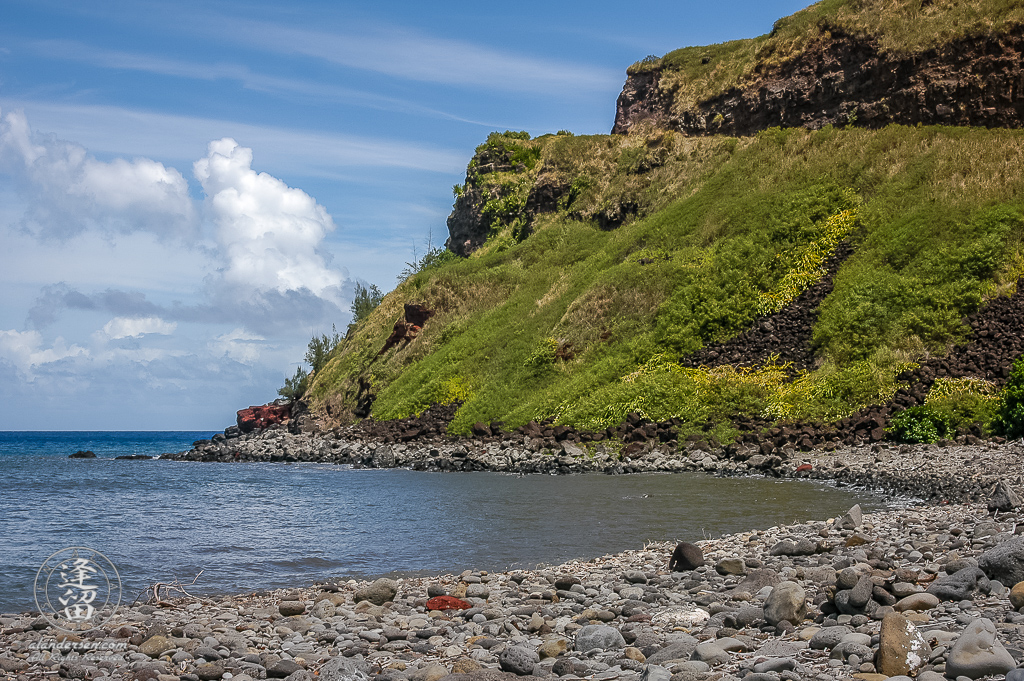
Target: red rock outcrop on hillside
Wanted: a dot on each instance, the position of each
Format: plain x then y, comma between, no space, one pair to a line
407,328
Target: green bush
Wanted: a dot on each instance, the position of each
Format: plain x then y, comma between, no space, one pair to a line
542,360
920,424
295,387
365,301
434,257
320,348
964,402
1009,420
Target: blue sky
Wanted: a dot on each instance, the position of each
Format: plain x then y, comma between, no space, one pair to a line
190,190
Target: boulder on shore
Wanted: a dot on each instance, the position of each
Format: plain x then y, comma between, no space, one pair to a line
786,603
978,652
1004,562
686,557
379,592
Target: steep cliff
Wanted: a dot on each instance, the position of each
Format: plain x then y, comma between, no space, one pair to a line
837,72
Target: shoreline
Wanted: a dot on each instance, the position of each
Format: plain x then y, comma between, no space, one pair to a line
939,473
715,622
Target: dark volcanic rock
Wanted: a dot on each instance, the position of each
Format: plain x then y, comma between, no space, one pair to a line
959,585
468,227
686,557
1005,562
1003,498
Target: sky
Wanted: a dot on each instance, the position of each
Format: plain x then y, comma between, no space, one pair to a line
189,191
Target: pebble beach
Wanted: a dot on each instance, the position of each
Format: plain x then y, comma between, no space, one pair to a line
929,591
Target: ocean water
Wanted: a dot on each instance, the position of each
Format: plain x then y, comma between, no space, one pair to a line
249,526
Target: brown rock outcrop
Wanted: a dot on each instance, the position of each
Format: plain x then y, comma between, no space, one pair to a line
977,81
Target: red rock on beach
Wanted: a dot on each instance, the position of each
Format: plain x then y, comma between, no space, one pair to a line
258,418
448,603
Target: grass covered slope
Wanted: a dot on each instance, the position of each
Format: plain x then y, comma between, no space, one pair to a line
556,317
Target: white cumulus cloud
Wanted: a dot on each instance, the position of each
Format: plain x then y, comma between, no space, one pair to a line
68,191
136,327
24,349
268,233
239,345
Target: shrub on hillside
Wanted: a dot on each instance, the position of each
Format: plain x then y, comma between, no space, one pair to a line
320,348
317,353
1009,420
963,402
364,302
920,424
295,387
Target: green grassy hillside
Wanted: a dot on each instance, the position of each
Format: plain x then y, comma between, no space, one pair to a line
556,317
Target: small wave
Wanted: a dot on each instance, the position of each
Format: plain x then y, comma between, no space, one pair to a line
223,549
307,563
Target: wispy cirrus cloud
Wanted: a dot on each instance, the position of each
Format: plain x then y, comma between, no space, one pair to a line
412,55
111,129
78,52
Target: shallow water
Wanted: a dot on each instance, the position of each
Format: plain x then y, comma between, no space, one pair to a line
256,526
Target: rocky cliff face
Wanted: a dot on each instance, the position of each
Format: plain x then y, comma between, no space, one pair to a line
846,80
467,230
474,215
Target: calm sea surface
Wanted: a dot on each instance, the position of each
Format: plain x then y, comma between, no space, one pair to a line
257,526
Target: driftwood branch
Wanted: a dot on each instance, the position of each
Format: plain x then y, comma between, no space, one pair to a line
167,587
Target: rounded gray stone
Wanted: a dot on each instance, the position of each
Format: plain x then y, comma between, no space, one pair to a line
518,660
379,592
828,637
599,636
636,577
477,591
845,650
711,653
918,601
786,603
978,652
